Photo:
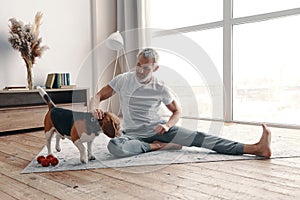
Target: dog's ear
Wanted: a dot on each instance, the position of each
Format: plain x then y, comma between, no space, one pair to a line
116,128
110,125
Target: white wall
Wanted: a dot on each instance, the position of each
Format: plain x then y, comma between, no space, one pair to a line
66,29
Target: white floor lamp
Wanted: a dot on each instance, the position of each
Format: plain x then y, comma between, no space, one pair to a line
115,42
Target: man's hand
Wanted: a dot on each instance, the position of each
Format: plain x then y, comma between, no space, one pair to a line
161,128
98,114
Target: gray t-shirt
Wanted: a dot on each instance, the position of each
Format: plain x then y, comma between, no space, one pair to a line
140,103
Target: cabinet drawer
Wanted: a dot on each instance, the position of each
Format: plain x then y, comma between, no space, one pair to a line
29,117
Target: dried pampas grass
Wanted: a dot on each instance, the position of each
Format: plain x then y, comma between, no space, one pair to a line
25,38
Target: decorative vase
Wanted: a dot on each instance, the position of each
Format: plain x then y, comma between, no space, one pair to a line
29,66
29,77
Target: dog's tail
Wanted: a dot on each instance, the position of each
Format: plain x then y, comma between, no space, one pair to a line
46,97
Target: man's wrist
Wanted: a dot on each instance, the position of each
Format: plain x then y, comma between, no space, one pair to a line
168,125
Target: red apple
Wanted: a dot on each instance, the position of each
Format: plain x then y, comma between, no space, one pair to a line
40,159
49,157
54,161
45,162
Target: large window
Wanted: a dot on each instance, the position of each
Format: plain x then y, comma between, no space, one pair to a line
260,52
200,95
170,14
244,8
266,68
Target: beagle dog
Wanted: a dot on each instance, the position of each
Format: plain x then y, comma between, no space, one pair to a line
79,127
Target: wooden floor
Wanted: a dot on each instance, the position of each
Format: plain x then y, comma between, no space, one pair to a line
249,179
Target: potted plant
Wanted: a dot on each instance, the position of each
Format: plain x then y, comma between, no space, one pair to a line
25,38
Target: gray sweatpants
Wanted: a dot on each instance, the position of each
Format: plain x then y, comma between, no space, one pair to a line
128,145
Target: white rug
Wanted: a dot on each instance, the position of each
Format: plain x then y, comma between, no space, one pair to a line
69,156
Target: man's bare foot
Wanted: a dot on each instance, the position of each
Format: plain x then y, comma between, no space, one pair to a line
157,145
263,146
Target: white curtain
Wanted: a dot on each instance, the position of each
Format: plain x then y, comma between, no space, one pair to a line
131,21
128,23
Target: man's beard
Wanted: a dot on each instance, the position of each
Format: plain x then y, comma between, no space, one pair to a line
146,79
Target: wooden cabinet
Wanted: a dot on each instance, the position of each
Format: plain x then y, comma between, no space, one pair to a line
21,110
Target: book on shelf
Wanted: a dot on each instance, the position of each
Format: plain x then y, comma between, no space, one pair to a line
68,86
16,88
57,80
50,80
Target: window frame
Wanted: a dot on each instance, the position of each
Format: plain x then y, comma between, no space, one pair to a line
227,24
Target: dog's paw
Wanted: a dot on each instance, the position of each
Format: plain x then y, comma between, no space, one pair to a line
58,149
92,157
84,159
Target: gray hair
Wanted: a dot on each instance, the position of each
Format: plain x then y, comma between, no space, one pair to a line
149,53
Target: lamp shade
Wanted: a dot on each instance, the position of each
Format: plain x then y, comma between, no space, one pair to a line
115,41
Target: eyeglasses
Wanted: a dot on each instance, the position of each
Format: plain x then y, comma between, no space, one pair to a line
145,67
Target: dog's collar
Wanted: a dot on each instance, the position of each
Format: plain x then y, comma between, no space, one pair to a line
100,122
93,119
